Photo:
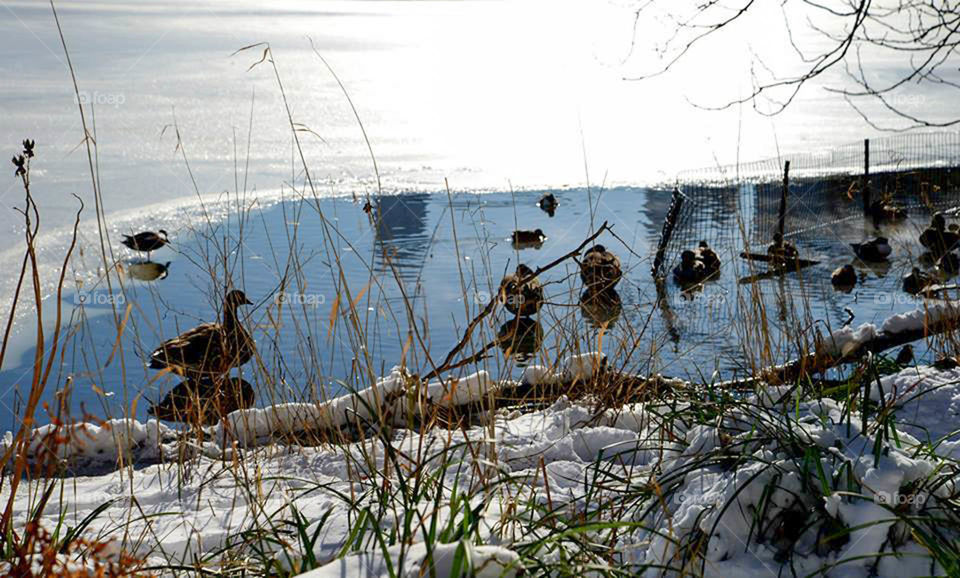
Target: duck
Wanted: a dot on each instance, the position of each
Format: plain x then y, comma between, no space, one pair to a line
875,250
709,258
204,401
936,238
522,298
548,203
844,277
146,242
782,250
690,270
949,263
148,270
917,281
600,269
210,349
884,210
522,238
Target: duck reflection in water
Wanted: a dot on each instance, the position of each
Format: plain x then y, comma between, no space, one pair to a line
148,270
204,401
521,338
601,309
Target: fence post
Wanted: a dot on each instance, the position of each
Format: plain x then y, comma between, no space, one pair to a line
865,185
782,214
667,231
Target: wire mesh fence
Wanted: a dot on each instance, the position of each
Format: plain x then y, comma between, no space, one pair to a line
737,207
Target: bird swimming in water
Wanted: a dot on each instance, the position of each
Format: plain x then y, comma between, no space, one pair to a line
875,250
522,239
917,281
844,278
204,401
690,270
522,298
709,258
781,250
146,242
211,349
548,203
600,269
936,238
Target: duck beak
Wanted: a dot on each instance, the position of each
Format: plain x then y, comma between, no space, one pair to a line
247,302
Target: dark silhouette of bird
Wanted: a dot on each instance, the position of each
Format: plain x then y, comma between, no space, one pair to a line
522,239
905,355
146,242
548,203
917,281
211,349
521,297
949,263
600,269
204,401
936,238
709,258
844,277
690,270
781,250
875,250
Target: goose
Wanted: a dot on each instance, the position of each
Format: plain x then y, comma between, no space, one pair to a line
781,250
548,203
936,238
600,269
148,270
690,270
709,258
204,401
521,298
146,242
876,250
844,277
210,349
917,281
522,239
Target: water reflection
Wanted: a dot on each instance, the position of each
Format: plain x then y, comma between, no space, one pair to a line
147,270
601,309
520,338
401,233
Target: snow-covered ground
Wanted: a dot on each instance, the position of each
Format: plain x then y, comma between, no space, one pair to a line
745,487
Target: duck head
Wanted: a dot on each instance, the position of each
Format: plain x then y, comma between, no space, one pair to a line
164,233
524,271
703,245
938,222
236,298
687,258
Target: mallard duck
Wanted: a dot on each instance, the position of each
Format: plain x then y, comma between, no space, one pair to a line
844,277
148,270
521,239
601,308
709,258
211,349
690,270
600,269
204,401
936,238
146,242
548,203
917,281
520,337
949,263
884,210
522,299
876,250
782,251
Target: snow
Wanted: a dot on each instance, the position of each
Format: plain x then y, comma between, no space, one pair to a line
737,489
